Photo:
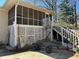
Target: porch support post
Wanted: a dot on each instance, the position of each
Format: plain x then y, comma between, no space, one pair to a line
15,24
51,29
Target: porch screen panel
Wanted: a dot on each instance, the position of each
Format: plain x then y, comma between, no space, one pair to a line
25,21
35,22
30,13
10,21
36,14
43,15
29,16
40,15
11,12
25,12
40,18
30,21
40,22
11,16
19,11
19,20
25,15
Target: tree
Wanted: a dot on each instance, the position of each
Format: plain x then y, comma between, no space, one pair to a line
75,15
63,10
51,6
68,11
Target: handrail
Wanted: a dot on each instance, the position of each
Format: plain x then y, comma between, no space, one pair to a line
68,30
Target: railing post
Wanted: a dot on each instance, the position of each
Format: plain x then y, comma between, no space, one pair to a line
57,36
51,33
78,42
62,36
73,41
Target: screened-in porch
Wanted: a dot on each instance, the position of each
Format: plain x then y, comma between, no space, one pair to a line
25,25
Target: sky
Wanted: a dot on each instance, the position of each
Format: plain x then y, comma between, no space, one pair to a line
36,2
2,2
78,7
42,4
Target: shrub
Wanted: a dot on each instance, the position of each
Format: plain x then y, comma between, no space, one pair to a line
48,49
37,46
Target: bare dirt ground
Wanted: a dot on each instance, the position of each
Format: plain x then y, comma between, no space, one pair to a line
60,54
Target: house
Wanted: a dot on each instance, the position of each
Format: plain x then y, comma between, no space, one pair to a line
21,23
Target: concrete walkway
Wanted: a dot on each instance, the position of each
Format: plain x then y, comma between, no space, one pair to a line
37,55
27,55
56,54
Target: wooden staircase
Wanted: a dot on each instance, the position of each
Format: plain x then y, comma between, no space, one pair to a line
68,34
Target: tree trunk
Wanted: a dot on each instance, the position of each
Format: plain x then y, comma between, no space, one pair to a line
75,15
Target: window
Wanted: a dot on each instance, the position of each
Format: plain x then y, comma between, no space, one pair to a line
43,15
11,15
2,3
19,11
19,20
25,21
35,22
40,15
11,12
36,14
40,23
47,15
10,21
25,12
30,22
30,13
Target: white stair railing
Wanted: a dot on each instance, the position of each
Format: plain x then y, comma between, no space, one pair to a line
72,36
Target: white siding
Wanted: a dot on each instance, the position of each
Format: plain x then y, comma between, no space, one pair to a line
3,26
26,35
12,39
